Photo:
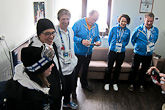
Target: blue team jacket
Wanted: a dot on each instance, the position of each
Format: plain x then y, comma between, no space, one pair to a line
120,35
140,41
81,31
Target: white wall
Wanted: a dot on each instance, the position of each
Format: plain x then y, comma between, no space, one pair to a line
17,24
131,7
159,10
50,9
17,20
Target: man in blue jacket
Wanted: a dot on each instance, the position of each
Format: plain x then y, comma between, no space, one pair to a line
143,39
86,35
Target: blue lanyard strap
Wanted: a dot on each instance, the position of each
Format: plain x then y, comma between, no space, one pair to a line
63,40
120,34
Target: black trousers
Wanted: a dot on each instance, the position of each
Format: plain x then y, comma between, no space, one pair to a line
145,62
69,86
83,61
114,57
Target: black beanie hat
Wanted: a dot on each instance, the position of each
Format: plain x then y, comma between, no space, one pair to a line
44,24
32,55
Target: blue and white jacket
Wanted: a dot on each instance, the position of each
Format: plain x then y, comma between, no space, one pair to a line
140,41
81,32
118,35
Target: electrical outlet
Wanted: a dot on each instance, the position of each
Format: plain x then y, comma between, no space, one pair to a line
2,37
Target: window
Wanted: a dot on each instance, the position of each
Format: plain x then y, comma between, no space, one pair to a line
81,8
74,6
102,7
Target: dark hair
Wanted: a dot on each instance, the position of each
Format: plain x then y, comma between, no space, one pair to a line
63,12
38,78
125,16
149,14
44,80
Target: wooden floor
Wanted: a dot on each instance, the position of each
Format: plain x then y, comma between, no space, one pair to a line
100,99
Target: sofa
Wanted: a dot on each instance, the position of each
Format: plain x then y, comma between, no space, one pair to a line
99,63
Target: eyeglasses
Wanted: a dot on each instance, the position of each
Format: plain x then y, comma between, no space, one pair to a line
48,34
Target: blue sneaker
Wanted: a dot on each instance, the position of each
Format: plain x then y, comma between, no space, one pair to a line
71,105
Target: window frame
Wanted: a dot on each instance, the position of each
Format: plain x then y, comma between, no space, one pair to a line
84,14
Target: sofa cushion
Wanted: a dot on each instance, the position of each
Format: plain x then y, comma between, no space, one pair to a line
125,67
100,54
128,55
97,66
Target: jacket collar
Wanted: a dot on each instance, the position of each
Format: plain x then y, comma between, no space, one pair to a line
85,24
145,29
119,27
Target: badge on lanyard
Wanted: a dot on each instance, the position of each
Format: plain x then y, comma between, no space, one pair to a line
120,34
67,56
150,47
118,47
90,40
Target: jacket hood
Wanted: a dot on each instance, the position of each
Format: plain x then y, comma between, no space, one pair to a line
25,81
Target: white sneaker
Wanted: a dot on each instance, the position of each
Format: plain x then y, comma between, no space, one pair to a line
106,87
163,92
115,87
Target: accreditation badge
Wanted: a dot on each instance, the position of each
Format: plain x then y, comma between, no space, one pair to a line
118,47
89,40
151,46
67,56
148,48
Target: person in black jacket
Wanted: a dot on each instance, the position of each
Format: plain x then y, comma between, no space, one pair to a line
29,89
45,35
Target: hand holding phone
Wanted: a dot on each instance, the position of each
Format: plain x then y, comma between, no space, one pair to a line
93,44
155,75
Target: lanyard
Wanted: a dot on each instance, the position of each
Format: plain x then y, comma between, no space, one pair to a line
92,30
120,34
63,46
151,34
88,33
152,37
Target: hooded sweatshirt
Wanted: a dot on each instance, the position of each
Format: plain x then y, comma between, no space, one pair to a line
25,94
